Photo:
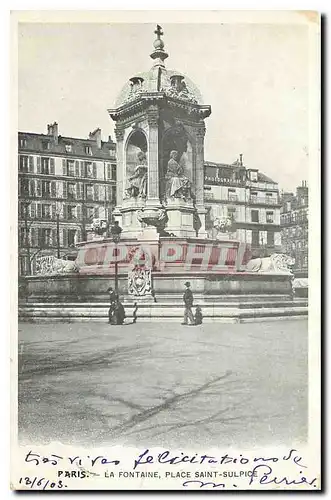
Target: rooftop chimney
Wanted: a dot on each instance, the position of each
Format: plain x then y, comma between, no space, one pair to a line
53,130
241,159
96,136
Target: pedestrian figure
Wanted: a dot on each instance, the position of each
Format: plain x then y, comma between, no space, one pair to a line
112,300
188,301
153,295
134,314
119,313
198,315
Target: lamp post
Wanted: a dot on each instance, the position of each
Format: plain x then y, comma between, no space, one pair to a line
115,232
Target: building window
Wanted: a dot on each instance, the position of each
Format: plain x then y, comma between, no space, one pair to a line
89,192
22,142
71,212
255,215
270,238
232,213
71,191
45,144
45,237
88,150
68,148
45,165
23,237
113,172
71,237
46,211
232,196
253,176
270,217
88,169
113,194
89,211
45,189
255,238
24,164
71,168
24,187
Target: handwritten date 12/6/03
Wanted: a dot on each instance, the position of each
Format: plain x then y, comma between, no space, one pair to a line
41,483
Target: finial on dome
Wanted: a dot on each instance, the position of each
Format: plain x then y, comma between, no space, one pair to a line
159,54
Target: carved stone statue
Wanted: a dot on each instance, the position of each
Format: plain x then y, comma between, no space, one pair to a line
277,263
51,266
99,226
222,224
177,184
138,181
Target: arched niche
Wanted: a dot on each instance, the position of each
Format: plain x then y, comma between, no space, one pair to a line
176,138
136,142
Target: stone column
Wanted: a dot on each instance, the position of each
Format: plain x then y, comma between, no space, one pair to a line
199,164
153,156
200,177
119,133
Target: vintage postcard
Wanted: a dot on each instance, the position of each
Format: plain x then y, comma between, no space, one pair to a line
166,322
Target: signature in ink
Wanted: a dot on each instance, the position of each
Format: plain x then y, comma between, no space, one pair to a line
263,474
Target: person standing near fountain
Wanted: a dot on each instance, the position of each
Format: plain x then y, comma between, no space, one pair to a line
188,301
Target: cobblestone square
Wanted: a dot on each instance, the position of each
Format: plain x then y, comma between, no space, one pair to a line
163,384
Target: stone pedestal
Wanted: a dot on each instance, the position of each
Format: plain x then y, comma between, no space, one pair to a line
180,219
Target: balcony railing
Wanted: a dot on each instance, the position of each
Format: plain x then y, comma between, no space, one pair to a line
263,201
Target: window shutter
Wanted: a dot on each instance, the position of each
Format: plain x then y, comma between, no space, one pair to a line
53,211
32,188
39,211
79,190
108,171
31,166
54,238
52,166
38,188
77,168
96,193
53,189
78,236
38,165
64,211
94,170
82,169
108,193
19,186
33,237
96,212
65,237
79,212
65,190
64,167
113,194
40,237
33,210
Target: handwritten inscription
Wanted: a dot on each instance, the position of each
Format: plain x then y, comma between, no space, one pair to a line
167,458
41,483
252,471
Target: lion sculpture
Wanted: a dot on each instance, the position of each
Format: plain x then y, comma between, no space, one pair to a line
276,263
51,266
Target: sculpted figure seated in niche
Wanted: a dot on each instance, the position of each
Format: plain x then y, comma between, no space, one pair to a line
177,184
138,181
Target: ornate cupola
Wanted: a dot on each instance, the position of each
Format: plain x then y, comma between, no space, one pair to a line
160,130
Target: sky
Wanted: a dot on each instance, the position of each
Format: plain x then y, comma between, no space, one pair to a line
254,76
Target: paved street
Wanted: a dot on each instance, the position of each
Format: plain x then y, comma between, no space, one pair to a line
163,384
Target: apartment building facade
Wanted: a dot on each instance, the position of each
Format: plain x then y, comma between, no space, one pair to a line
63,184
294,225
250,199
